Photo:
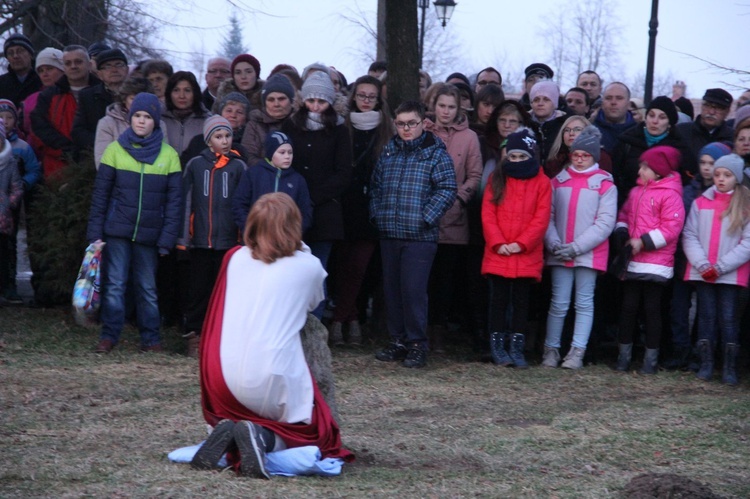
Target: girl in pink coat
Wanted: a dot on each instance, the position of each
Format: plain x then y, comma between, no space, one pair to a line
650,223
716,241
584,209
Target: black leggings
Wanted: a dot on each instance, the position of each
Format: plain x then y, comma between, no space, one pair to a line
651,293
504,292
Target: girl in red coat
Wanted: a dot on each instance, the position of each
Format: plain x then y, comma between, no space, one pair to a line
515,214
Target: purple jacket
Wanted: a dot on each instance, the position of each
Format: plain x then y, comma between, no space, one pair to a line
655,213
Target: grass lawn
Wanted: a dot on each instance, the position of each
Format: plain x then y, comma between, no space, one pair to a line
76,424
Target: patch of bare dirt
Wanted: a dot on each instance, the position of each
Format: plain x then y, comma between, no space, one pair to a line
666,486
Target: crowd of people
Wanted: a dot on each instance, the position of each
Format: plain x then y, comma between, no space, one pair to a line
466,207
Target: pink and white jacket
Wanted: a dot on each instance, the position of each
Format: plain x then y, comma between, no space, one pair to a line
584,210
707,240
654,212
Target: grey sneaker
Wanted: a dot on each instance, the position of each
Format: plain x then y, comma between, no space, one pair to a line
574,359
252,449
551,357
355,333
217,443
337,335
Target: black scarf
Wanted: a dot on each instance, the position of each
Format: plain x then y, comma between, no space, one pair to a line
523,170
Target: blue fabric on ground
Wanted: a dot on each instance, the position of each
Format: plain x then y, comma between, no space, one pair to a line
299,461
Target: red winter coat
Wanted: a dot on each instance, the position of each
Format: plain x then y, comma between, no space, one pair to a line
521,217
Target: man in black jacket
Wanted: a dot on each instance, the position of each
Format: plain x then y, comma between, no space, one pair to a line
93,101
710,125
21,80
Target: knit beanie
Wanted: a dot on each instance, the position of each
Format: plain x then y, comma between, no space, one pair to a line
148,103
715,150
2,128
248,59
277,83
7,105
97,48
664,103
50,57
741,115
662,159
234,97
318,86
522,142
733,163
17,40
460,76
274,140
314,68
214,123
547,88
589,140
684,106
110,55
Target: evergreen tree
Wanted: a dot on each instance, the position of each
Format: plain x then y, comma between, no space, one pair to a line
232,44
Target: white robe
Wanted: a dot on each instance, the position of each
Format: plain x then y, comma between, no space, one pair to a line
266,307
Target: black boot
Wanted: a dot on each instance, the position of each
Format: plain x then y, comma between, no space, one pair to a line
706,353
623,359
650,361
517,342
500,355
678,359
729,375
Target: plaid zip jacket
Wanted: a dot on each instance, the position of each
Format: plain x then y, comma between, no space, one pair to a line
413,185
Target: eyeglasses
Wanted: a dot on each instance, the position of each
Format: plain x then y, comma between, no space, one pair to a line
218,71
401,125
504,121
483,83
576,129
578,156
114,65
366,98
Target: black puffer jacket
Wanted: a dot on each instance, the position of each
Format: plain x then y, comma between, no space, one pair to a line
628,150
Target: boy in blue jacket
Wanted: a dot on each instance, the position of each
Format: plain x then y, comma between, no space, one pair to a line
209,183
273,174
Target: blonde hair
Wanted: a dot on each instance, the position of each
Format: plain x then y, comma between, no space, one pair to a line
738,211
274,227
558,143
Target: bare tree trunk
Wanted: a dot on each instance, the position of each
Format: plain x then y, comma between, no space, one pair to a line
58,23
402,51
381,50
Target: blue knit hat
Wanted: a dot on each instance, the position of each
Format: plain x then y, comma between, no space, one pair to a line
715,150
148,103
274,140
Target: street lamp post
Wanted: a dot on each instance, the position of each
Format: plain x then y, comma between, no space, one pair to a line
444,11
652,25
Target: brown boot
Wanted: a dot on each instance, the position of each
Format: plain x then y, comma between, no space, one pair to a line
193,345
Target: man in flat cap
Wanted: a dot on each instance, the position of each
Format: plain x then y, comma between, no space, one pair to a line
710,125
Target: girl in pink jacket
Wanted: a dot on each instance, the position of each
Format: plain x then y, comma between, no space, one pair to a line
650,222
584,209
716,241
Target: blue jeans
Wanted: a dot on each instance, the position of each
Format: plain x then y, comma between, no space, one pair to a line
718,302
322,251
406,272
124,256
562,286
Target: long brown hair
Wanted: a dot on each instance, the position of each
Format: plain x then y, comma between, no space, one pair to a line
738,211
274,227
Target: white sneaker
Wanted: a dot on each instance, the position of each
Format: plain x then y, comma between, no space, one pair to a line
551,357
574,359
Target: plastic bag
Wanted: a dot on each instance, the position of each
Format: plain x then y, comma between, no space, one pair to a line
86,291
